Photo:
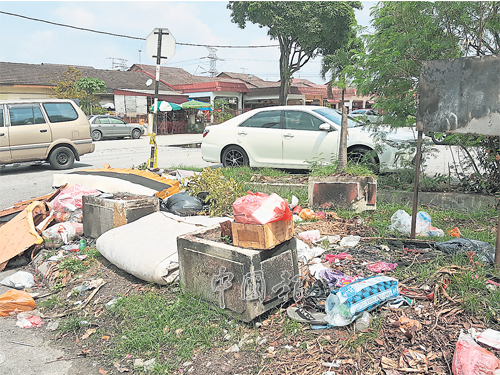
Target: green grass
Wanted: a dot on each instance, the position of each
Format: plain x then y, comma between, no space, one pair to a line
50,303
70,324
73,265
150,323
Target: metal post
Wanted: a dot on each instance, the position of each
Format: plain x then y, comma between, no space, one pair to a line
153,161
415,184
497,251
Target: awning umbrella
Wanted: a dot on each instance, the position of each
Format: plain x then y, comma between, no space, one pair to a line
195,104
164,106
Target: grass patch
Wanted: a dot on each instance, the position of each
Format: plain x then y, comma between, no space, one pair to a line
170,328
70,324
50,303
73,265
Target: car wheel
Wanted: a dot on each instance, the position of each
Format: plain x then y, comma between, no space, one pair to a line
62,158
364,155
234,156
96,135
439,138
136,134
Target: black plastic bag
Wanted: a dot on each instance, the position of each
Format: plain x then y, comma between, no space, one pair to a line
182,204
484,251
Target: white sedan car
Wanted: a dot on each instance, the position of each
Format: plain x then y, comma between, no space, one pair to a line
294,137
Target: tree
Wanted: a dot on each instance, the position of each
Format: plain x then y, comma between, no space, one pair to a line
65,86
303,29
89,86
337,68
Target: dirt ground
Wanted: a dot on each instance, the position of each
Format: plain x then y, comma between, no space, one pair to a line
429,326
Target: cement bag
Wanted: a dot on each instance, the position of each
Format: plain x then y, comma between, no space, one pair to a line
147,248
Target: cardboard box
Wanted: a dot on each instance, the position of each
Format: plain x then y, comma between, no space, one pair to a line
263,237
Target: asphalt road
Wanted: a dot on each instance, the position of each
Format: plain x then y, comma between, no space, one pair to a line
28,181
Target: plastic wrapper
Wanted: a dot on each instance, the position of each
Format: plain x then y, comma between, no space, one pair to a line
472,359
484,251
19,280
308,214
352,300
260,208
15,300
75,216
61,234
183,204
310,235
70,198
29,319
381,267
401,222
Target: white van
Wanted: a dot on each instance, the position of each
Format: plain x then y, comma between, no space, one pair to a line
52,130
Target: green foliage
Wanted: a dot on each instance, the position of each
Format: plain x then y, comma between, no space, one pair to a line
303,29
70,324
89,86
222,191
50,303
73,265
222,111
65,85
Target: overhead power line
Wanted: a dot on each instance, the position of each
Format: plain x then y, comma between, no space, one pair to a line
128,36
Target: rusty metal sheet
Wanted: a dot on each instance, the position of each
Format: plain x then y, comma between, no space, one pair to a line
460,95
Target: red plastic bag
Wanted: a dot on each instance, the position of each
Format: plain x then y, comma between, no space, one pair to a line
472,359
260,208
13,300
70,198
381,267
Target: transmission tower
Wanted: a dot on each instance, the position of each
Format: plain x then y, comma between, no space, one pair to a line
213,61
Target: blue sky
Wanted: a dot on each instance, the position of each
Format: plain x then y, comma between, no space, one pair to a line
199,22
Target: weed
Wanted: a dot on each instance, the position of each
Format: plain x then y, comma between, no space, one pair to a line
73,265
50,303
70,324
92,253
227,239
57,287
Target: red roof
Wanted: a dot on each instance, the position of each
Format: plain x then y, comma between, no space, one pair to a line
212,86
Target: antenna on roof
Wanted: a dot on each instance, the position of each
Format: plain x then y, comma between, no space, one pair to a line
243,70
120,64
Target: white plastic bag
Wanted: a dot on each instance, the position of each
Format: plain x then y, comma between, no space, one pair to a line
19,280
401,222
423,223
61,234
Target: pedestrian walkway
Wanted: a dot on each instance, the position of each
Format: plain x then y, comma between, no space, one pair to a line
177,139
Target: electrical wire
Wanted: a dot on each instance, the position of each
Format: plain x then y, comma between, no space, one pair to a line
128,36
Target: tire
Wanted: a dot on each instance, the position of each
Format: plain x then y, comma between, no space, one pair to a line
136,134
62,158
234,156
439,138
96,135
364,155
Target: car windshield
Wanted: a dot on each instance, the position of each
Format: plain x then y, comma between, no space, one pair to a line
335,117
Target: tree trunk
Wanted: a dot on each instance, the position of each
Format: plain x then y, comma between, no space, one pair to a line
342,155
284,72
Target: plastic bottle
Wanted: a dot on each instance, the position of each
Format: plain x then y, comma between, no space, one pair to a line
363,322
83,244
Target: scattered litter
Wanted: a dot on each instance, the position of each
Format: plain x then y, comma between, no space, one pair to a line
52,326
336,278
70,199
350,241
333,239
233,349
296,211
15,300
112,302
333,257
19,280
29,319
472,359
308,214
455,232
489,337
305,253
310,235
316,267
381,267
363,322
483,250
352,300
295,202
303,315
87,285
149,364
183,204
401,222
410,362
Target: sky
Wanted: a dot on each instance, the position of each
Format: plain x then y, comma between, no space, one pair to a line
196,22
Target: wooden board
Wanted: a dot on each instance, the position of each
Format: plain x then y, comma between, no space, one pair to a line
263,237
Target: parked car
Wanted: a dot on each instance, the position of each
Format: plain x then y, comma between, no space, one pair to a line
367,115
52,130
106,126
292,137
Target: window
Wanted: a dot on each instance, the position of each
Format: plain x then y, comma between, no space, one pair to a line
59,112
25,114
266,119
115,120
298,120
1,116
336,117
102,120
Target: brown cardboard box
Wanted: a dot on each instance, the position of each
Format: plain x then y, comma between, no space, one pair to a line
263,237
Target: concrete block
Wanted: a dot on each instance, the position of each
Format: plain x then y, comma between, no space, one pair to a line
244,282
101,214
356,192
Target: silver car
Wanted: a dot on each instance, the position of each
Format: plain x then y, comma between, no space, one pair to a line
106,126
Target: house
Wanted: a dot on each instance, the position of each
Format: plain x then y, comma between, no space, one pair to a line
127,93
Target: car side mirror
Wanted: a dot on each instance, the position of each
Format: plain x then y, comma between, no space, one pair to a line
326,127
